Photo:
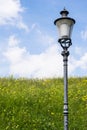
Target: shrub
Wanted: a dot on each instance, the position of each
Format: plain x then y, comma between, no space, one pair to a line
27,104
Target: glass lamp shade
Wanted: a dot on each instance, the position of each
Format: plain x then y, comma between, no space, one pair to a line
65,26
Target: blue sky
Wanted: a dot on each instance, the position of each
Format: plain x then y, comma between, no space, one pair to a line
28,38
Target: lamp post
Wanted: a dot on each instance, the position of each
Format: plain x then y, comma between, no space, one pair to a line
65,25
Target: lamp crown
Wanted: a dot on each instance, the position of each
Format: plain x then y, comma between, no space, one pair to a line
64,12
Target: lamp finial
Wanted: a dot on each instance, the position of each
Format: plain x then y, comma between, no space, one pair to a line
64,12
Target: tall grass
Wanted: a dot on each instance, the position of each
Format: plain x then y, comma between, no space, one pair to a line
38,104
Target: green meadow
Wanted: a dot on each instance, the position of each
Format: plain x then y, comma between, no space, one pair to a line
33,104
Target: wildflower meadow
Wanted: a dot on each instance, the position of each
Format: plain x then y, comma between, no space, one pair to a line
33,104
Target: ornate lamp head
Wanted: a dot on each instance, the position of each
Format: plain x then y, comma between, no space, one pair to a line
65,26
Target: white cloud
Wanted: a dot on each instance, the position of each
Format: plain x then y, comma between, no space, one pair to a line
22,25
13,41
11,13
9,10
14,53
46,64
44,38
84,35
78,65
72,65
78,50
82,63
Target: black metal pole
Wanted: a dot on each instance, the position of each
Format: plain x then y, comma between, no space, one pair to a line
65,55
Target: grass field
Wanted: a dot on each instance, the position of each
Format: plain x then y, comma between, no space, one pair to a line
27,104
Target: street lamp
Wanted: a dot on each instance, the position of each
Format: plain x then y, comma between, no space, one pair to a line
65,26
